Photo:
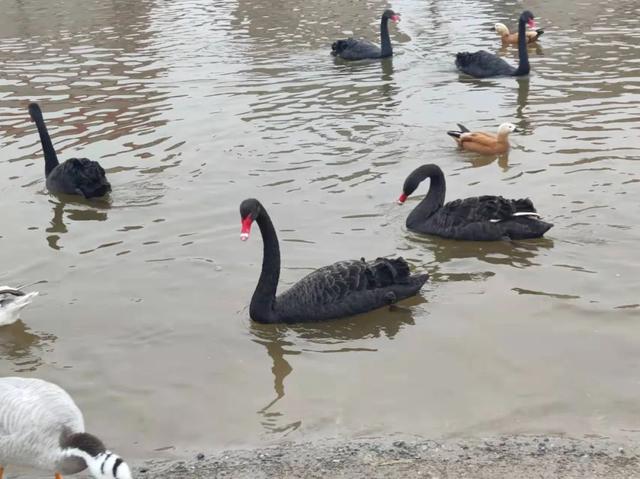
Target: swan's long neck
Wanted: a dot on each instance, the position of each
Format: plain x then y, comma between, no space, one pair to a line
50,157
385,41
435,197
263,299
523,65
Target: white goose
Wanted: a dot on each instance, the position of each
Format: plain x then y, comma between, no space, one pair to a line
12,300
41,426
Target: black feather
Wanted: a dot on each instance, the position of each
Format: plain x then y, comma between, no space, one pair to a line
481,218
341,289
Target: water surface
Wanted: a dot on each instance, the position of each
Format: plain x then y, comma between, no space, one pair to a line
192,106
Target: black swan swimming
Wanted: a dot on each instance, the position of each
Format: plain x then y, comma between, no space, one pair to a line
335,291
76,176
483,64
352,49
482,218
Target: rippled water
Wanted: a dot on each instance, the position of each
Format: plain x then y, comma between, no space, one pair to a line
192,106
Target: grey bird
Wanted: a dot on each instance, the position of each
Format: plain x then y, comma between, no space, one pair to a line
42,427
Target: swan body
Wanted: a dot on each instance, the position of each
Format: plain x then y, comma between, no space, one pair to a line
512,38
41,426
12,301
358,49
342,289
482,142
76,176
482,218
482,64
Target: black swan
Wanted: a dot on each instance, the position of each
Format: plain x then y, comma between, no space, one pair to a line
76,176
335,291
482,218
352,49
483,64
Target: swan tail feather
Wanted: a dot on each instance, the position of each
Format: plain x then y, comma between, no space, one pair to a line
386,272
523,205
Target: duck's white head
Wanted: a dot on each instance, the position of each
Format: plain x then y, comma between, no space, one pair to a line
501,29
83,450
506,128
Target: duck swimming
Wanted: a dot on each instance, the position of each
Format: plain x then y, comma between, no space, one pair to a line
12,301
481,142
41,427
512,38
481,218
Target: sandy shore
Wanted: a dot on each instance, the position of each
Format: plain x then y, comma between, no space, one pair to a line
499,457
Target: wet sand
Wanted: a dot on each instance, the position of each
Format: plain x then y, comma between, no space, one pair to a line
507,456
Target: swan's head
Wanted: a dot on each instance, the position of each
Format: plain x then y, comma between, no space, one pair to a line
506,128
83,450
416,177
250,209
501,29
34,111
528,18
410,185
391,15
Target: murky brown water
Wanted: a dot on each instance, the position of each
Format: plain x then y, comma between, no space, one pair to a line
192,106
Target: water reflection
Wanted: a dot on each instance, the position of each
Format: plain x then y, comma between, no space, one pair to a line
22,347
77,209
339,336
516,254
95,84
523,100
477,160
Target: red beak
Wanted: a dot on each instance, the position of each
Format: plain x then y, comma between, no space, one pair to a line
395,18
246,227
402,198
532,23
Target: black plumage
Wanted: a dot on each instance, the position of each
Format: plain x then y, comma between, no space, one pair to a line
76,176
482,218
354,49
482,64
342,289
